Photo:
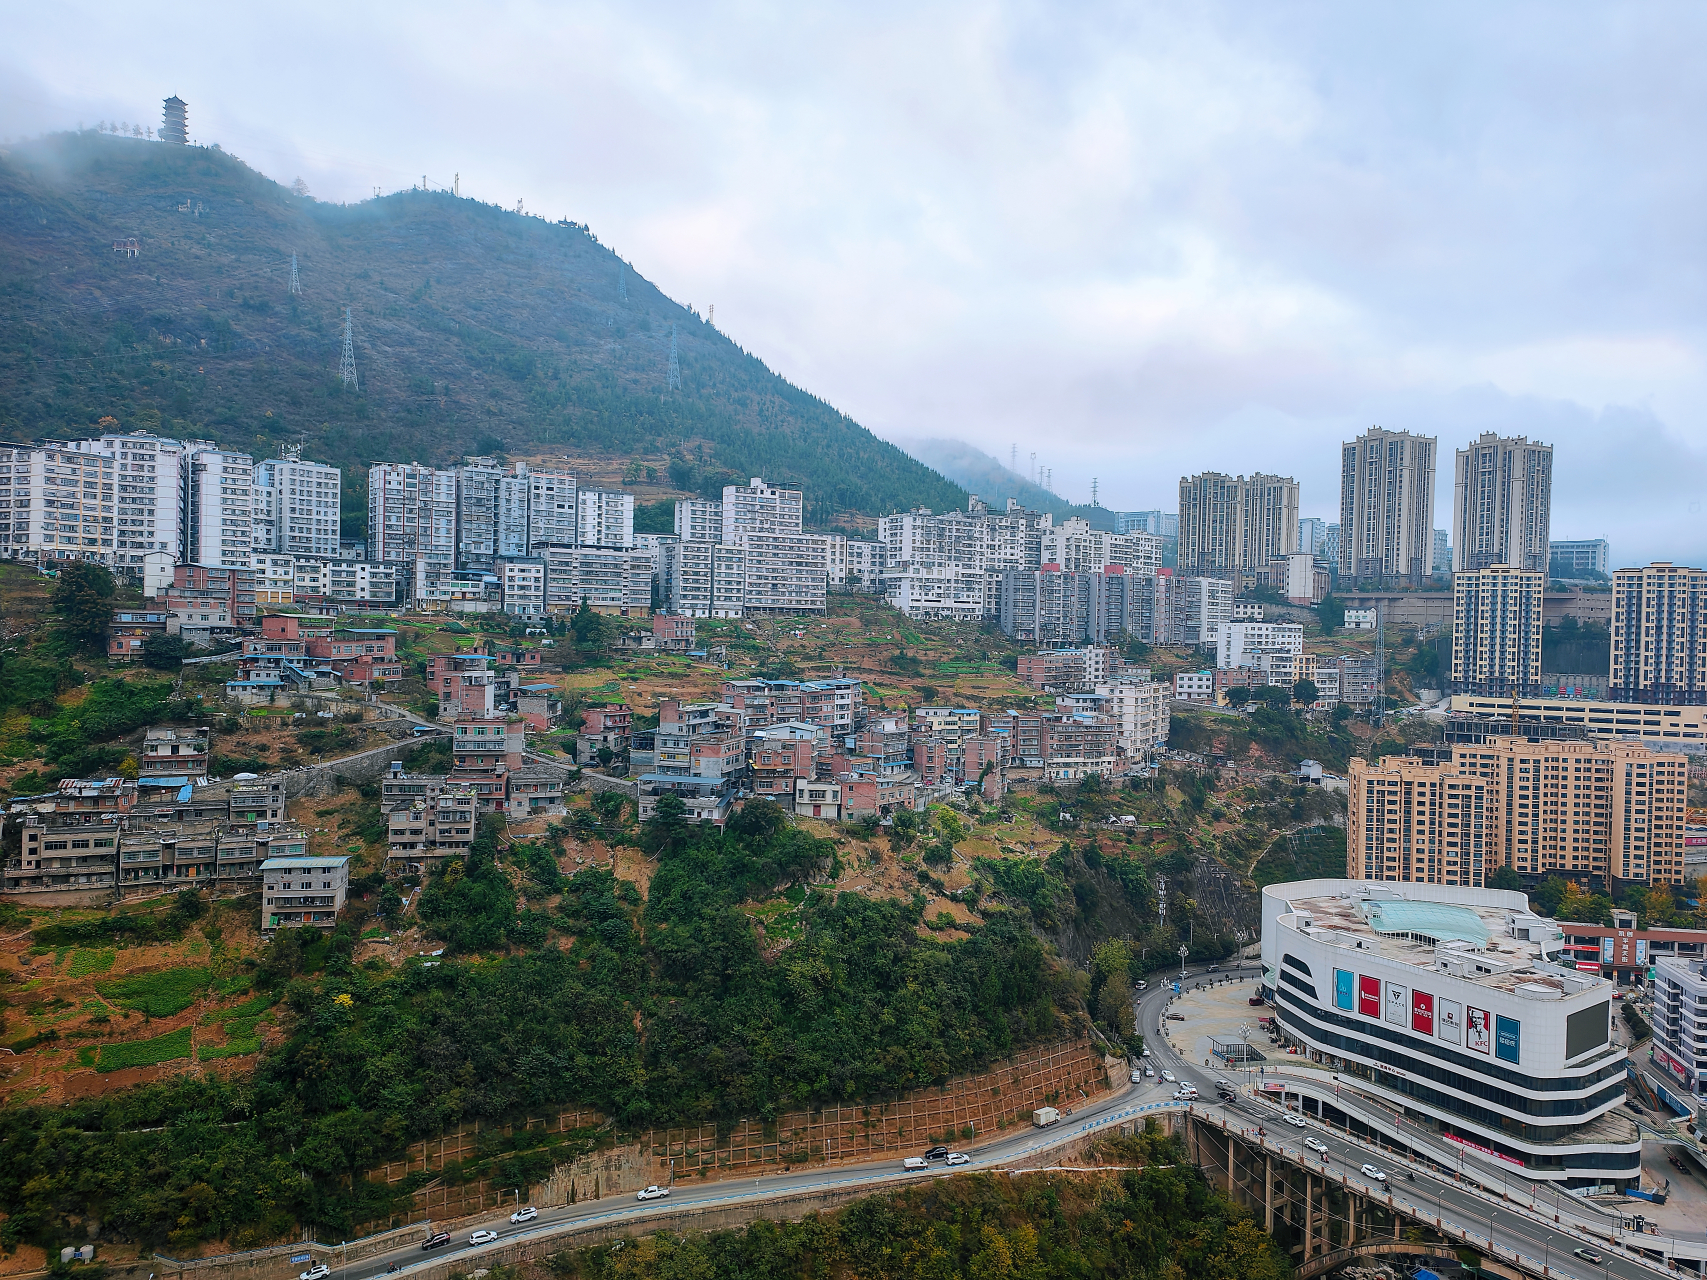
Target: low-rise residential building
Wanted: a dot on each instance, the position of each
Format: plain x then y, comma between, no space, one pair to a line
606,726
303,892
877,795
209,602
818,799
523,583
539,705
463,682
1194,686
175,753
1139,709
1239,643
672,632
68,841
535,790
129,629
1070,668
485,750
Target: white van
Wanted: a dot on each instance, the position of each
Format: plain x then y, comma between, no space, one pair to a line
914,1164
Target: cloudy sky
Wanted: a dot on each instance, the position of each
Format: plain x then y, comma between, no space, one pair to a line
1138,239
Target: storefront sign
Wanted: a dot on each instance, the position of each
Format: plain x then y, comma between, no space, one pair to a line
1398,1003
1449,1021
1478,1030
1342,989
1476,1146
1508,1042
1369,996
1422,1012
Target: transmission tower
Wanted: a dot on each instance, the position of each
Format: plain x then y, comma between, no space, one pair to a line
1013,458
1093,491
347,366
621,282
1034,466
295,280
675,364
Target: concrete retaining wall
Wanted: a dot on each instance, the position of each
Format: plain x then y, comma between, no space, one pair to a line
274,1262
366,766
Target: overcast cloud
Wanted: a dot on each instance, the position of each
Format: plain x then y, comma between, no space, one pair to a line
1140,240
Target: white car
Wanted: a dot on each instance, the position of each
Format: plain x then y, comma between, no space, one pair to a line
482,1237
317,1272
959,1157
1316,1144
1170,1077
653,1193
527,1214
1296,1121
1137,1077
1370,1171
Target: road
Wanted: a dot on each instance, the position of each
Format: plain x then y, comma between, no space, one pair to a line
1429,1195
1122,1105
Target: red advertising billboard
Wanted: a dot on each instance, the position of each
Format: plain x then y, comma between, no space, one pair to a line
1422,1012
1369,996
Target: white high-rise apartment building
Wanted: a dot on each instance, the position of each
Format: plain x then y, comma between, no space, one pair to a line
552,510
1078,548
605,518
1502,502
760,508
785,573
1496,631
513,524
1386,508
1659,635
296,506
1201,607
412,522
221,507
699,521
152,494
477,482
59,504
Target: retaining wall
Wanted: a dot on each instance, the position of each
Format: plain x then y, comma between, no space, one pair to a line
1066,1073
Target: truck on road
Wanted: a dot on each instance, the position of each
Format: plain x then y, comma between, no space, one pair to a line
1043,1117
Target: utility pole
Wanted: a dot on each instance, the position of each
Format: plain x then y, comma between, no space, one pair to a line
347,366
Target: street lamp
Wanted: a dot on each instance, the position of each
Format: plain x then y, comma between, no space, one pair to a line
1184,951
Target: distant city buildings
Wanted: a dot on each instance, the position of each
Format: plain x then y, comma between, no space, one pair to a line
1386,509
1231,523
1502,496
1584,558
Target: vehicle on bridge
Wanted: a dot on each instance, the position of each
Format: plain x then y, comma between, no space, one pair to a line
653,1193
1370,1171
435,1240
525,1214
482,1237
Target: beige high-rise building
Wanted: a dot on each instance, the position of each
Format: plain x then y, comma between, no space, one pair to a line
1586,810
1502,503
1228,523
1496,631
1659,635
1416,822
1386,508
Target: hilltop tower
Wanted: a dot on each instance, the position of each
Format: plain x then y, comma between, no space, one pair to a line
175,121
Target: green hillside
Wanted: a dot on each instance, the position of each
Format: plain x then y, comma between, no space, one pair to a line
476,329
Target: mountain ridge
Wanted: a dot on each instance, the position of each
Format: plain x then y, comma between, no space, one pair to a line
476,330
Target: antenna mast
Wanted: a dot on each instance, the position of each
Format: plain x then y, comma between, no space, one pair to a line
347,366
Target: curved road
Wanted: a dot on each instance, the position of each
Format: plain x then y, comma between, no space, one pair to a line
1428,1195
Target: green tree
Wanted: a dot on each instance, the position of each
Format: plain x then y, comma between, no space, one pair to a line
1238,696
590,628
904,829
1305,691
1330,612
1506,878
83,603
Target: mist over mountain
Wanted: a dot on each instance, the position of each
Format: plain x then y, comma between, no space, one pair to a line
977,472
476,329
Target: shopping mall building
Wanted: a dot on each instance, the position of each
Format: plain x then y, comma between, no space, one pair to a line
1459,1007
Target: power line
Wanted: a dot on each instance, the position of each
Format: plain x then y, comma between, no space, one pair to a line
347,366
675,376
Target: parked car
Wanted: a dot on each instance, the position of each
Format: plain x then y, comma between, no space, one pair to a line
937,1153
1137,1077
1254,1000
1370,1171
1316,1144
525,1214
482,1237
959,1157
653,1193
1176,1017
317,1272
1146,1051
435,1240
